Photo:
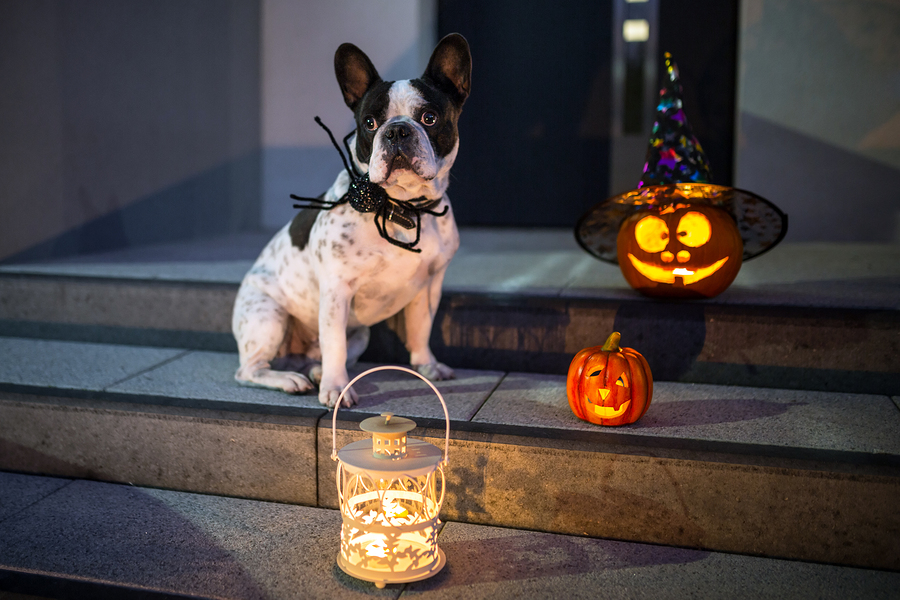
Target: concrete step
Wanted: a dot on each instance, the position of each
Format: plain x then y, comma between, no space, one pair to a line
806,316
792,474
66,538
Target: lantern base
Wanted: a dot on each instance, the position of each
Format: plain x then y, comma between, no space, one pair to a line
381,578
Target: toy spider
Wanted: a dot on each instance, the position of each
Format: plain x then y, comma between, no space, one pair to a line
365,196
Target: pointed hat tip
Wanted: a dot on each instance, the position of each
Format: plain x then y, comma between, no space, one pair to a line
671,68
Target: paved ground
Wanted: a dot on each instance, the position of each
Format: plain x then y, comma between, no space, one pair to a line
208,546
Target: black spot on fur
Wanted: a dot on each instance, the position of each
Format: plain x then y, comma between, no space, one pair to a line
374,103
444,134
302,224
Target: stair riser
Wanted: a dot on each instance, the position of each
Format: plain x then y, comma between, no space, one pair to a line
813,349
175,449
169,306
765,510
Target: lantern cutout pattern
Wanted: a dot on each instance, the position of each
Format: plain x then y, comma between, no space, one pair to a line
390,490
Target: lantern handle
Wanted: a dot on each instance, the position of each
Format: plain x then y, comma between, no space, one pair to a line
389,368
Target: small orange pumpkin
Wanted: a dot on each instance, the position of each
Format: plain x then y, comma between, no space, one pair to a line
681,251
609,385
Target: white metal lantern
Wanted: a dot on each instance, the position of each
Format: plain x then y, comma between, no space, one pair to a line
390,489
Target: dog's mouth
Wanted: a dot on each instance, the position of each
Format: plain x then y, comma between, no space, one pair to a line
400,162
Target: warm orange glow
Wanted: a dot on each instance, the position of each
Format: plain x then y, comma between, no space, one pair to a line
652,234
667,274
394,511
608,412
377,548
672,208
609,375
694,229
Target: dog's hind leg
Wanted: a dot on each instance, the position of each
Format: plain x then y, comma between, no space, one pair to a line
260,326
357,342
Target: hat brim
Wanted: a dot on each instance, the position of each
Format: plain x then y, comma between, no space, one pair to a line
761,224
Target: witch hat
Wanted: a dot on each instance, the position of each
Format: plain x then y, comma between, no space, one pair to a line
676,171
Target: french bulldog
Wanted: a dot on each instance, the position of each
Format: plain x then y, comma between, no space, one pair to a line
303,311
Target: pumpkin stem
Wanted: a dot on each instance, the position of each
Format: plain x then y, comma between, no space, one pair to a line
612,342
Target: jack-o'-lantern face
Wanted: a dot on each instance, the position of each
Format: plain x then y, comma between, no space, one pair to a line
608,401
609,385
682,250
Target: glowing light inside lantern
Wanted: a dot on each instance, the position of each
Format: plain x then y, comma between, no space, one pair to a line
378,547
390,495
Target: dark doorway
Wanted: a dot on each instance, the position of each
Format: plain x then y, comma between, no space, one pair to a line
535,133
703,38
534,143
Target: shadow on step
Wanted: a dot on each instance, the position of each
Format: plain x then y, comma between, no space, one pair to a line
87,527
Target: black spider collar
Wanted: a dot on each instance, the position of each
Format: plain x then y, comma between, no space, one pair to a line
365,197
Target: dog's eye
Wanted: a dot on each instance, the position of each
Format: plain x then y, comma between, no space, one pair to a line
371,123
429,118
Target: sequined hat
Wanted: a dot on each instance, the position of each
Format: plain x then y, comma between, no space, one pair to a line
676,171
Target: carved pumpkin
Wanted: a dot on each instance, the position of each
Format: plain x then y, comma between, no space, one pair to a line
680,251
609,385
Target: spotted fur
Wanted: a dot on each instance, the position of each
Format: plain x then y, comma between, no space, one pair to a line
304,309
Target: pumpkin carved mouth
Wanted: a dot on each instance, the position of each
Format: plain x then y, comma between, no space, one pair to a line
667,275
608,412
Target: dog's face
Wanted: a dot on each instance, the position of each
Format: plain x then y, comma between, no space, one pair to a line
406,131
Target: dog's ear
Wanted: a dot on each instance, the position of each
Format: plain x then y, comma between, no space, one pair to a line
355,73
450,68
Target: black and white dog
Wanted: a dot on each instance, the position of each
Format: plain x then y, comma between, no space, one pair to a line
319,284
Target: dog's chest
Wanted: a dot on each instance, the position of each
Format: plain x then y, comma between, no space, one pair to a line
345,251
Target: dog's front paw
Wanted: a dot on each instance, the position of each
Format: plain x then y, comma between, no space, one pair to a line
329,396
290,382
435,371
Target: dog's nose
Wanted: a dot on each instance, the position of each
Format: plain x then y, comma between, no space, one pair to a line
397,132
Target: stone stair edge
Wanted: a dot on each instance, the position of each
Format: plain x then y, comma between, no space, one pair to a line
481,293
598,439
512,415
291,463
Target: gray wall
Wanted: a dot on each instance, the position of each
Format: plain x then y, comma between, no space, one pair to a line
125,122
298,83
819,119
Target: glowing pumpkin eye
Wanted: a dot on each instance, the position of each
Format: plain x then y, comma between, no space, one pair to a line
652,234
622,381
694,229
